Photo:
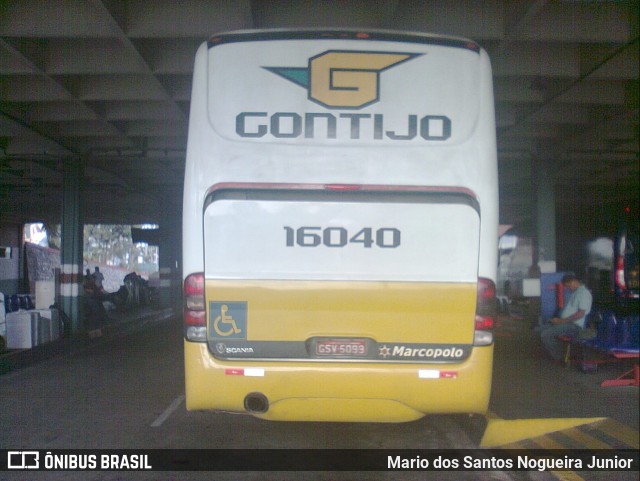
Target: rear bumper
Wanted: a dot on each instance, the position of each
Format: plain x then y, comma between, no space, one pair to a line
339,391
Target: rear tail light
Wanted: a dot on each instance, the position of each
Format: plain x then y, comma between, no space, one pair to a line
486,310
484,323
195,319
622,285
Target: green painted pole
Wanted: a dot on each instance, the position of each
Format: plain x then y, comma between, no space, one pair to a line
72,243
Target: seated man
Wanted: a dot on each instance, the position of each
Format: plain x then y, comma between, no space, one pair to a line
572,317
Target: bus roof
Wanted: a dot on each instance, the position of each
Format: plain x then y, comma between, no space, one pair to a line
316,34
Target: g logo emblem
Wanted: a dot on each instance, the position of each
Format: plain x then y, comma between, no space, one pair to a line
349,79
342,78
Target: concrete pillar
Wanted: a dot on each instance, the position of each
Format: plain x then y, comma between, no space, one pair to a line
170,250
545,212
544,225
72,244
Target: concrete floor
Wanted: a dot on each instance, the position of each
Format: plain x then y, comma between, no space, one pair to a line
125,390
527,384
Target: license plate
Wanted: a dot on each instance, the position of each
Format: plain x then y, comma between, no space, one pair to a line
342,347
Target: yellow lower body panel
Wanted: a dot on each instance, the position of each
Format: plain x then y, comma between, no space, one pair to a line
338,391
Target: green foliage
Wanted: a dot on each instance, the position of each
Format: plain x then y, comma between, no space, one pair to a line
104,244
112,245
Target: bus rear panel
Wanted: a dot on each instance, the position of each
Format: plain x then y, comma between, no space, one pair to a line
340,240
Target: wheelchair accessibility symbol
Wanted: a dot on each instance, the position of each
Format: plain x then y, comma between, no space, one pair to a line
228,320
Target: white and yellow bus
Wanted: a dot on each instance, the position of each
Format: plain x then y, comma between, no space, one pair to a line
340,226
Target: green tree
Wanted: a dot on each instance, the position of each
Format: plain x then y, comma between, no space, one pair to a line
112,245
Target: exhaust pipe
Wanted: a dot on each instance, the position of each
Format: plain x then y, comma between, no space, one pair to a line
256,402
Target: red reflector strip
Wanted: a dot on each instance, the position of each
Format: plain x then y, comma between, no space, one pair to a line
343,187
435,374
249,372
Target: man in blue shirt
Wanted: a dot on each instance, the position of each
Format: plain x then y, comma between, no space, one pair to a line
572,317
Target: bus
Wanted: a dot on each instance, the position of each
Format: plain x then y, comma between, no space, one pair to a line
340,224
626,282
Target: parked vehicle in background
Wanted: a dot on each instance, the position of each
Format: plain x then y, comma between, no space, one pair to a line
627,264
